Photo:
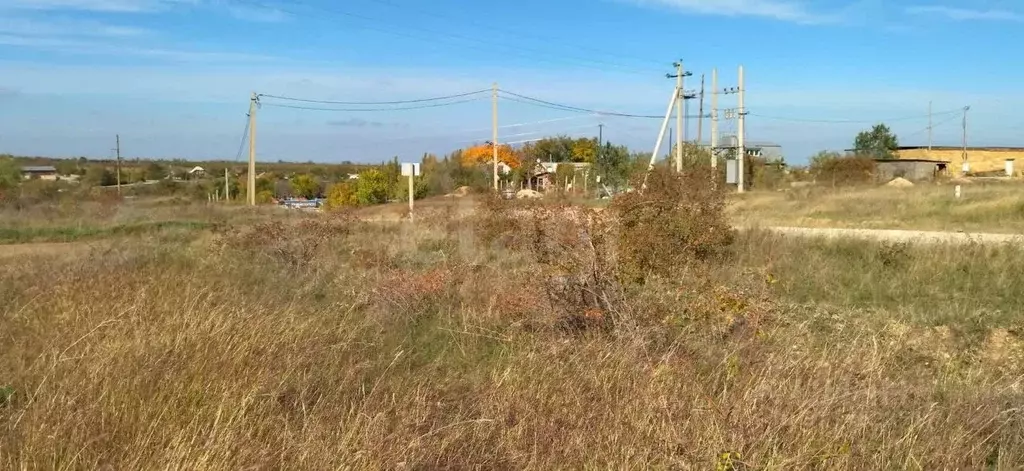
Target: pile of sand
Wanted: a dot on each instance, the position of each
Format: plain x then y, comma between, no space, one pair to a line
525,194
900,182
459,192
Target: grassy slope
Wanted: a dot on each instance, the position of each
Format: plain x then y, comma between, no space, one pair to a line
984,208
387,346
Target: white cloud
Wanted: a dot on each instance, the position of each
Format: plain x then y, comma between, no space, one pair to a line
782,10
84,46
66,28
258,15
122,6
964,14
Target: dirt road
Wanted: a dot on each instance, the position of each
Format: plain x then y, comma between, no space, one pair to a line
902,235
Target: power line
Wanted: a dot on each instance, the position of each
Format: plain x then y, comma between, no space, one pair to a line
553,105
940,123
400,108
557,106
398,102
520,33
245,134
850,121
433,35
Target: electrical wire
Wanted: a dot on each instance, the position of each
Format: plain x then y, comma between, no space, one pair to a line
940,123
435,35
557,106
368,103
400,108
519,33
245,134
851,121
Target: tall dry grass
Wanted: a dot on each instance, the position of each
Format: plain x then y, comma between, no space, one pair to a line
333,343
984,207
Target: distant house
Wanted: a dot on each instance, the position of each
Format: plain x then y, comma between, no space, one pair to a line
42,172
544,174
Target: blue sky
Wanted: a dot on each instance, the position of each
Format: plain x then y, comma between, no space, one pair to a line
173,77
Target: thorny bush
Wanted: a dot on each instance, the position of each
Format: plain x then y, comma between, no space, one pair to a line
293,243
677,220
591,260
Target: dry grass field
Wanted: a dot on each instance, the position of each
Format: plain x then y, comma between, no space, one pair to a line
269,340
991,207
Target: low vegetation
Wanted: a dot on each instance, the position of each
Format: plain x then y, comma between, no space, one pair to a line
519,336
983,207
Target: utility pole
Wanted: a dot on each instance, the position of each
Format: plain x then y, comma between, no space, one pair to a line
963,155
251,187
117,149
741,117
661,137
227,187
494,131
680,115
714,118
929,128
700,113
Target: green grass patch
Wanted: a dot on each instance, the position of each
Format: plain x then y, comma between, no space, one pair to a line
22,235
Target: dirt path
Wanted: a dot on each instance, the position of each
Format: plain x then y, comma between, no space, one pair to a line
902,235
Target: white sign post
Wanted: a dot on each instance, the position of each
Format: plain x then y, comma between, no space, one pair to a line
411,170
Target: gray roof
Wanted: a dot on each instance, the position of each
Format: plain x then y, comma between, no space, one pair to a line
38,169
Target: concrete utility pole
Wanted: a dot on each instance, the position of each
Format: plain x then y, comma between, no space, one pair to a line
661,135
494,131
963,155
251,187
929,128
679,116
700,113
714,118
227,187
680,113
118,150
741,117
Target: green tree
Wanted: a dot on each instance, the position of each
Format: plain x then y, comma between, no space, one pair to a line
10,173
305,186
878,143
374,187
613,165
67,166
98,175
155,171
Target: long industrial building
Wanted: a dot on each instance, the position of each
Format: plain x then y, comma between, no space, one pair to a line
980,160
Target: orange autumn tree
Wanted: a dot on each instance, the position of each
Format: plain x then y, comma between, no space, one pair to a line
482,154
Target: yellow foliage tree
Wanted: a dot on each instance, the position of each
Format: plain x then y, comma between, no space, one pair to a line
483,154
341,195
584,150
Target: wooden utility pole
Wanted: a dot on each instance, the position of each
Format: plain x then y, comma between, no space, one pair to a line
700,113
251,187
740,128
494,131
714,118
227,186
118,150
